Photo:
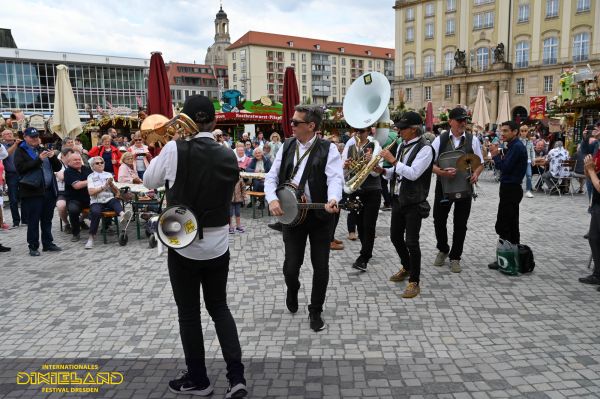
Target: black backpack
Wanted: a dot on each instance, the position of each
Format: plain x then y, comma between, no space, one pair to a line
526,261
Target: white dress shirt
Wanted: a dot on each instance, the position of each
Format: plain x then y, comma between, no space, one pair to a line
163,168
476,145
414,171
3,152
333,170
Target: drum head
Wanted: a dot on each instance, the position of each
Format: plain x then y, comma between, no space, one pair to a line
288,203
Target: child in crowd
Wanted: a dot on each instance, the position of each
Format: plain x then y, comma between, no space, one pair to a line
239,193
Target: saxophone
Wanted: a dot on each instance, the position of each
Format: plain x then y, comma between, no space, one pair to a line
361,175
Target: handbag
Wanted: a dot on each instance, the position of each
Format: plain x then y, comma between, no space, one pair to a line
33,179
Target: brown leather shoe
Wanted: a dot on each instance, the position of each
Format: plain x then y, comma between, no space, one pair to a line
352,236
400,276
335,246
411,291
338,241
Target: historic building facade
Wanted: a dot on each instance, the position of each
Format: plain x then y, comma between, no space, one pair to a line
215,55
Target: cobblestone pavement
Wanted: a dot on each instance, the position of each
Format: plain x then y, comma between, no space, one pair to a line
477,334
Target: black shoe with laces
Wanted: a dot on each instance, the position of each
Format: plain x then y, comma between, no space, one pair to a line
3,248
238,390
360,264
291,300
590,280
185,385
52,248
316,321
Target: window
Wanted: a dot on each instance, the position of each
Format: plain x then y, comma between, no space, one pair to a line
343,81
303,68
429,10
370,64
581,47
303,78
343,71
410,14
343,61
408,96
334,60
410,34
583,5
293,56
483,58
234,77
483,20
450,5
429,30
449,63
550,55
409,68
480,2
427,93
522,55
429,64
548,80
303,89
523,13
334,70
303,57
551,8
447,92
520,85
233,55
450,26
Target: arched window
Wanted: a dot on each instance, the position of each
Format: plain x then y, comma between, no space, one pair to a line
483,58
409,68
522,56
449,63
550,51
429,65
581,47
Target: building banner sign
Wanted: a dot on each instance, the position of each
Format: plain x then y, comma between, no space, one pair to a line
247,117
537,107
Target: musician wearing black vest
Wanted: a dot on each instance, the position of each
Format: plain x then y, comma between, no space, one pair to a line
201,174
455,139
410,177
369,193
315,166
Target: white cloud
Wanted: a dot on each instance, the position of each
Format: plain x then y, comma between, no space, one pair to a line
183,29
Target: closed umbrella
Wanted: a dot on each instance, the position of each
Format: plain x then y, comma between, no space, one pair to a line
429,117
503,108
159,92
291,98
481,117
65,117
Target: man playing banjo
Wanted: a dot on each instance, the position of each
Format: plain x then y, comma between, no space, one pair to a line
315,167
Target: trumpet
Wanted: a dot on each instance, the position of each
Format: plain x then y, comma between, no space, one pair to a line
158,128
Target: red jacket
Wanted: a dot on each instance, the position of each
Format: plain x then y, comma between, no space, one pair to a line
115,155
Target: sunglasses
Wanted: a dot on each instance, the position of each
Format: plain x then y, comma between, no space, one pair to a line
98,163
295,123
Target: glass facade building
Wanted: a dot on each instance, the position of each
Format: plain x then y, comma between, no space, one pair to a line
29,84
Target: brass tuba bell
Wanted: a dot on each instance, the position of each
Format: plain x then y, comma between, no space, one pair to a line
158,128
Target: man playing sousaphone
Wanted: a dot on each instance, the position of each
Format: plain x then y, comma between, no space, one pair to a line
456,140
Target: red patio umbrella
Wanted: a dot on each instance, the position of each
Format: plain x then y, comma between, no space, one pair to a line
291,98
429,117
159,93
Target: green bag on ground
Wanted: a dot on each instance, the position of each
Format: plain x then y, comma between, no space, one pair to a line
507,256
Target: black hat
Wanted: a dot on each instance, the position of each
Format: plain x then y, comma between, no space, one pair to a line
409,119
458,114
199,108
31,132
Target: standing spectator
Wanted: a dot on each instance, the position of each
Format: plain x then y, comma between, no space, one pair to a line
260,139
38,190
248,148
3,155
589,146
275,143
12,177
594,231
109,153
526,140
112,132
141,153
76,191
239,193
267,153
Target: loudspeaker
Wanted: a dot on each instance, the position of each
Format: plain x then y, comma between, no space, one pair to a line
177,227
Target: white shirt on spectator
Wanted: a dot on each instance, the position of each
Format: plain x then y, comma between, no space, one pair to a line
96,180
557,156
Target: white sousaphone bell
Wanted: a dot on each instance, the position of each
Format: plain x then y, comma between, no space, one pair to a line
177,227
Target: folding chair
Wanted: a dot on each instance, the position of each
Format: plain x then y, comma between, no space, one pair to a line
568,168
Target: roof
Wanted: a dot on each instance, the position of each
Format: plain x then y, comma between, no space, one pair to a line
172,71
6,39
307,44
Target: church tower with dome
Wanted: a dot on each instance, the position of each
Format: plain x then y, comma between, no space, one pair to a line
215,55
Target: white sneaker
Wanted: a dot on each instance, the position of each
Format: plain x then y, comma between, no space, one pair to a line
90,243
528,194
440,259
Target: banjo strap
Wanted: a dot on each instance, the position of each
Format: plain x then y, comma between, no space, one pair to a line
308,167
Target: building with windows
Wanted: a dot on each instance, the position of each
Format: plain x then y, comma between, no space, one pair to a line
324,69
27,80
540,38
189,79
215,54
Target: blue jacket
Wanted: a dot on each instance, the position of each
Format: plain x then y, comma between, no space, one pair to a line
513,164
252,165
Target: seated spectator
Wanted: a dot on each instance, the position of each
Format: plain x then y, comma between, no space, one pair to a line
102,193
267,152
259,164
259,141
61,200
76,193
141,154
242,159
109,153
275,143
248,148
127,172
556,170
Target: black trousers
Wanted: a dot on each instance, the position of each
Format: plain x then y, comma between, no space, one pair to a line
462,210
404,234
187,276
366,221
385,192
507,221
39,211
334,223
318,231
75,208
594,238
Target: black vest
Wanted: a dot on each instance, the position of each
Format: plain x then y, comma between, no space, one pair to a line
206,175
415,192
315,166
371,183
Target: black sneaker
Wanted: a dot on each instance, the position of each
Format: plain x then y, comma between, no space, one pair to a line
590,280
238,390
34,252
494,265
68,229
75,238
6,249
185,385
291,300
316,321
52,248
360,264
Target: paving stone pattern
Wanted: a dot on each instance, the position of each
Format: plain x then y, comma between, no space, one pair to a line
477,334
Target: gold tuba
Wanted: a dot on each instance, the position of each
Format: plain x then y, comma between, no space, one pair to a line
158,128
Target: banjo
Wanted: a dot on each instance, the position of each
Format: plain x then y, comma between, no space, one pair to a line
295,208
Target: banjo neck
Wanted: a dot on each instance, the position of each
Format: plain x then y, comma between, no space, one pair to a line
311,205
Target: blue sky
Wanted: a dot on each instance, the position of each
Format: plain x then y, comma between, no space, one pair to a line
183,29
